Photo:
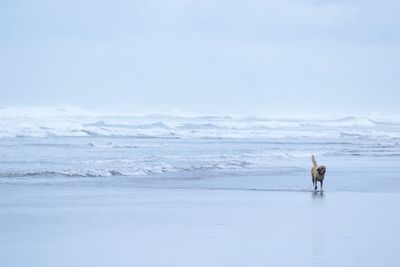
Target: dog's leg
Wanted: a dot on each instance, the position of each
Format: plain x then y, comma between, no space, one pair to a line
322,182
312,180
315,184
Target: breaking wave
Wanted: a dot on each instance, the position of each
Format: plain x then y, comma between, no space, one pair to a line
75,122
127,171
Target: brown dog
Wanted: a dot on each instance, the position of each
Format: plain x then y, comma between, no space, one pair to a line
317,173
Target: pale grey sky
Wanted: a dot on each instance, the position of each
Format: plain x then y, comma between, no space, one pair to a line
250,57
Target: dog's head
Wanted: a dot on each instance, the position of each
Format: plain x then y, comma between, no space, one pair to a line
321,170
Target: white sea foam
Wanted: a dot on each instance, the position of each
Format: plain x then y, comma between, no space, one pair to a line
75,122
127,167
128,144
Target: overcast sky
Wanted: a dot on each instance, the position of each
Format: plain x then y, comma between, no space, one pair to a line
227,56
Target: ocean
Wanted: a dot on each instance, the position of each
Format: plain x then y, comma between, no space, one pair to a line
68,144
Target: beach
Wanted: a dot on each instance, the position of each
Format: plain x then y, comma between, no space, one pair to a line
79,188
189,133
110,223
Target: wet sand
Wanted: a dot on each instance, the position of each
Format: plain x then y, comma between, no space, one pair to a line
109,225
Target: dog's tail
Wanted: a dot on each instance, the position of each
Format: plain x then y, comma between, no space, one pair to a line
314,161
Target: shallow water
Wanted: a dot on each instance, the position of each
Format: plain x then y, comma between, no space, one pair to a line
352,165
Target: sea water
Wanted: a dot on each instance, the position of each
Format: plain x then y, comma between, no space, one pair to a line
67,144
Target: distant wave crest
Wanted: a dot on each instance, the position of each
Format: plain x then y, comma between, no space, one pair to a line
75,122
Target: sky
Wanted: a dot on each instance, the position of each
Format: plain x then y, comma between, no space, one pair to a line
232,57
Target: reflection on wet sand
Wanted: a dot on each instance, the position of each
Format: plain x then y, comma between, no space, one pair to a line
318,194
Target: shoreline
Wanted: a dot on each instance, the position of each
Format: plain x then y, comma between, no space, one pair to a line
128,226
